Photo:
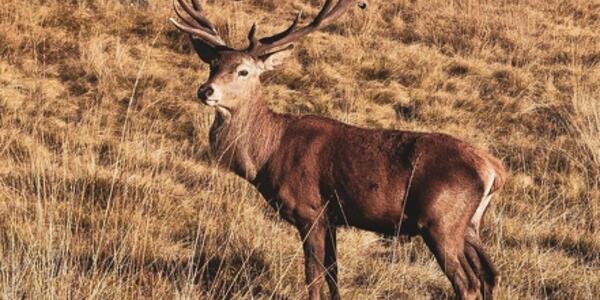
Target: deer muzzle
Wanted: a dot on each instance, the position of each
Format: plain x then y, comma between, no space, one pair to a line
208,95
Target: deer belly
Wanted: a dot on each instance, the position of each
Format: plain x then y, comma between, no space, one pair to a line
376,214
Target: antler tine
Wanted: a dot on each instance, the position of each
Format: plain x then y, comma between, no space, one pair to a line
340,8
271,39
196,13
252,38
324,11
191,23
255,43
214,41
200,27
326,16
197,5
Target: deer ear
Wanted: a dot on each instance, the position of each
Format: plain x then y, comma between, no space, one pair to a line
274,59
207,52
204,51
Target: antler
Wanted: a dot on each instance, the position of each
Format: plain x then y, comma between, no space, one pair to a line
198,26
326,16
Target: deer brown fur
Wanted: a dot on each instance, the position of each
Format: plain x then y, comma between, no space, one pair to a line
320,174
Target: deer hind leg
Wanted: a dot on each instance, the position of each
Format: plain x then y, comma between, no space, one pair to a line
474,251
482,264
448,248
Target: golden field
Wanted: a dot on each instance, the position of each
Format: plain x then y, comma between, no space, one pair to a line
108,189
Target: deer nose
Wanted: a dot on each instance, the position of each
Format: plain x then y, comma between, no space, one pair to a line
204,92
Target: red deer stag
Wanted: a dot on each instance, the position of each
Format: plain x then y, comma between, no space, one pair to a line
320,174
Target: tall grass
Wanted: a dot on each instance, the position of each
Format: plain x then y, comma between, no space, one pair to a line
108,189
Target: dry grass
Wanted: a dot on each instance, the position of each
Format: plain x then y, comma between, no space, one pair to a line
107,189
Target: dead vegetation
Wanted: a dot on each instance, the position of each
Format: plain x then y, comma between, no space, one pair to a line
107,189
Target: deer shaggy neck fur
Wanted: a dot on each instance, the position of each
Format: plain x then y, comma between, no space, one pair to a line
244,138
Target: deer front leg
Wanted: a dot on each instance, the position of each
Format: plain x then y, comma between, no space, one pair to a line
314,240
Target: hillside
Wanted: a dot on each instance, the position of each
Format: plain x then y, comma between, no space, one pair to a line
108,189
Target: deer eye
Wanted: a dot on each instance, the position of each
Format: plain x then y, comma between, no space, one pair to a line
243,73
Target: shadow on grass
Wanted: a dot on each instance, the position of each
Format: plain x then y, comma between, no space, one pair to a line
584,249
217,275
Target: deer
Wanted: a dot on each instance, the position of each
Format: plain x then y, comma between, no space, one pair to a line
320,174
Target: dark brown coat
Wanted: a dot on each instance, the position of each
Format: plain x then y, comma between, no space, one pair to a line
320,174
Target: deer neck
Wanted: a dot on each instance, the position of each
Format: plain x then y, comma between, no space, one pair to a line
244,139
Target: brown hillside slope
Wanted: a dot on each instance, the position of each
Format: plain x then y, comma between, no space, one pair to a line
107,189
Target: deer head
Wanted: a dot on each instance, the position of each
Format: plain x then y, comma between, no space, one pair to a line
235,74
